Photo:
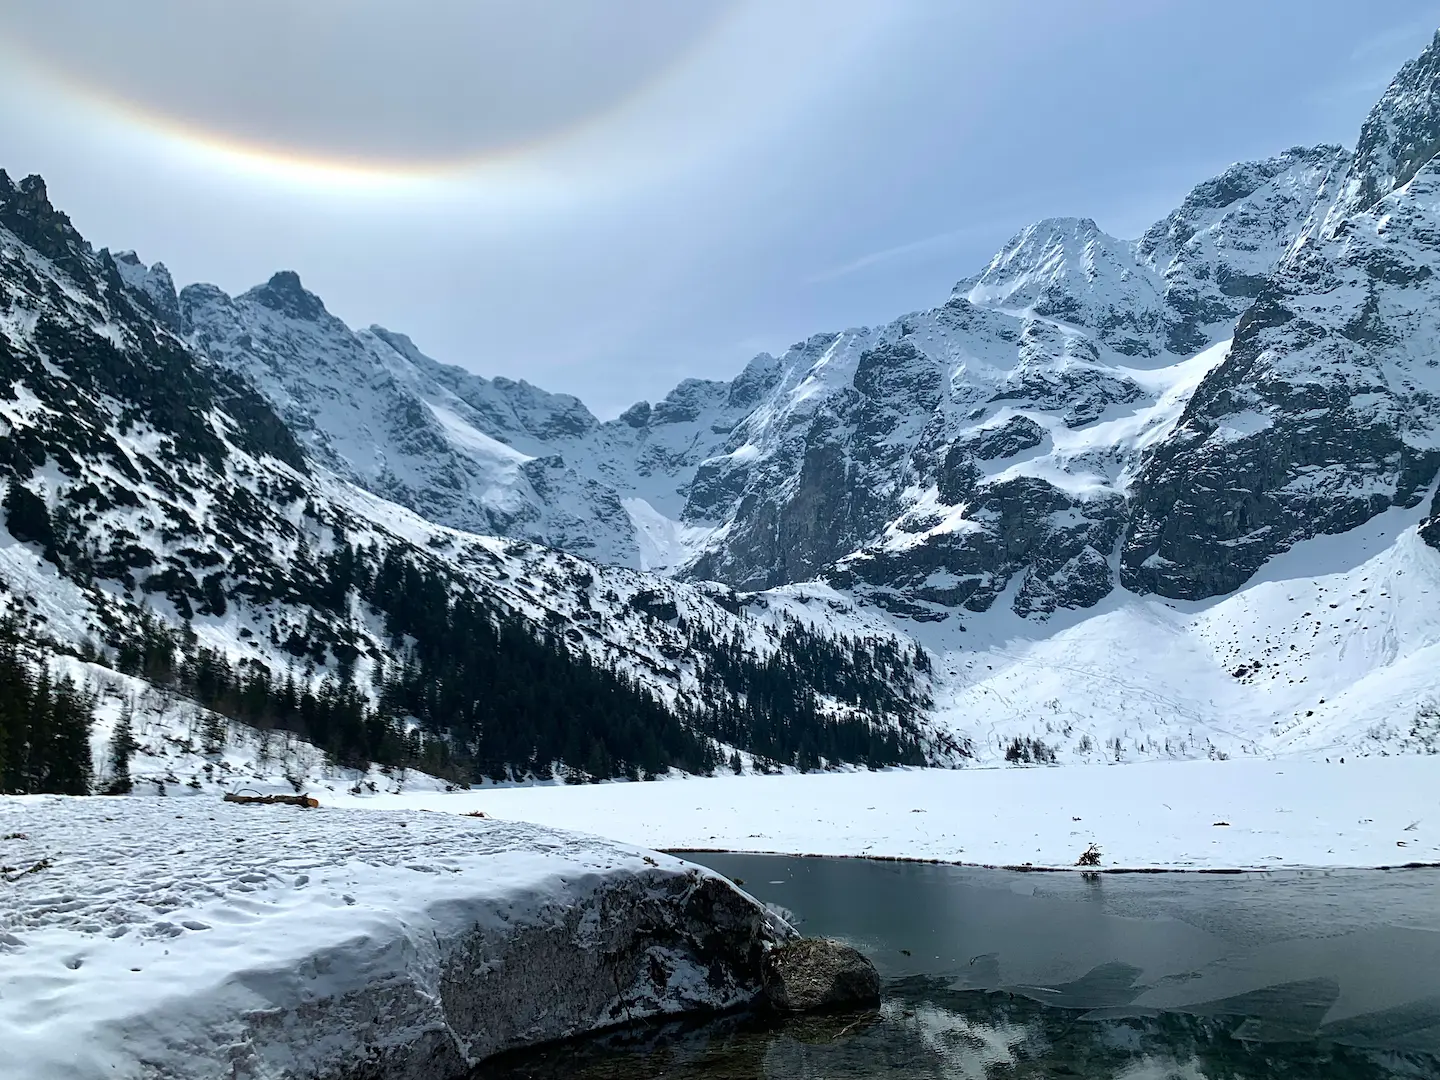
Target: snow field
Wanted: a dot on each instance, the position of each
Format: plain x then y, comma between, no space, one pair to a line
1368,812
1330,650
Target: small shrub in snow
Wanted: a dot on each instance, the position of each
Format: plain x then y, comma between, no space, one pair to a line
1089,857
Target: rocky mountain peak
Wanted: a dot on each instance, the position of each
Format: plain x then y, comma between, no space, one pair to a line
1240,181
1069,270
1039,254
284,293
401,343
1399,136
153,285
26,211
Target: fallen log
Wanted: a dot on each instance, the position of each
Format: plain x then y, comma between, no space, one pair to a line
303,801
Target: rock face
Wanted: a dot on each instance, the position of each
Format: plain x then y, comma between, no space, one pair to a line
816,973
1217,250
348,944
1325,410
1042,429
852,445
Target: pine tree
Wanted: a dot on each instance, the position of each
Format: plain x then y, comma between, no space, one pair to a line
212,734
71,768
28,519
121,751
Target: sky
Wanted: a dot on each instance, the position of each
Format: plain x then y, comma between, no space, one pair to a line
604,198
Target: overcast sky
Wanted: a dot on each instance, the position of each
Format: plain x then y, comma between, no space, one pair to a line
605,196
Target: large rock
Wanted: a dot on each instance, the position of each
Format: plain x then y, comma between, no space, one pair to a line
817,973
200,939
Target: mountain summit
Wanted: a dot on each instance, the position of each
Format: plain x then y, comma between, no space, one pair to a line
1169,496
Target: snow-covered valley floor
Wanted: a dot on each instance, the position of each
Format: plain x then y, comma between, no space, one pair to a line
1368,812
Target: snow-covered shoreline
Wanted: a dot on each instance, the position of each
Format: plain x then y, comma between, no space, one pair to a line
1283,813
180,938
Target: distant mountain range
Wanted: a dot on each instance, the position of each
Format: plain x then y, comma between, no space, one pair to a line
1082,483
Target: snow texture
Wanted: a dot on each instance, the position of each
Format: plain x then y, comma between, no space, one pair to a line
1195,815
159,938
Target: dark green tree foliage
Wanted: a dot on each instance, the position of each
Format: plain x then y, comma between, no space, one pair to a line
773,708
28,519
44,728
332,714
120,753
513,701
472,690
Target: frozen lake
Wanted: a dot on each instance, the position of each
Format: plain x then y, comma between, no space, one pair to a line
1323,974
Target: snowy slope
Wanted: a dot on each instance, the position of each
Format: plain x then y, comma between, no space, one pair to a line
183,750
152,482
1329,651
459,450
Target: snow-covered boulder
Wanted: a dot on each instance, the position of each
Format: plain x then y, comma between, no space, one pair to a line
156,938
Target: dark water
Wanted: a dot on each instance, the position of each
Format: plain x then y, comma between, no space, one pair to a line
1141,977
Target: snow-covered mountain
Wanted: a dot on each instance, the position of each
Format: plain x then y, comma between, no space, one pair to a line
145,483
1093,483
864,441
804,459
1324,411
468,452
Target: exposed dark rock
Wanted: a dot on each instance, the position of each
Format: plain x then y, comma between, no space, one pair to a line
1059,542
1016,434
284,293
1321,415
816,973
637,416
1401,133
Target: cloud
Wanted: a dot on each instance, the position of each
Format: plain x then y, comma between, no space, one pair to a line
1402,39
931,244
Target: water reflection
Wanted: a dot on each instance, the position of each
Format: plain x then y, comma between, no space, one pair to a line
925,1030
989,974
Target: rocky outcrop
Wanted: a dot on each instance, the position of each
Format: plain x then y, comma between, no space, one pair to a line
812,974
348,944
1326,410
1217,250
1058,543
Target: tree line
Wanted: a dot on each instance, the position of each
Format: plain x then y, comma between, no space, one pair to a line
466,689
45,726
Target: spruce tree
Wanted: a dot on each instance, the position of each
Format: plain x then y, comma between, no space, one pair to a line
71,769
121,751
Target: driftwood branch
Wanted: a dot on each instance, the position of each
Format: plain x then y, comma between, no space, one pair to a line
303,801
10,875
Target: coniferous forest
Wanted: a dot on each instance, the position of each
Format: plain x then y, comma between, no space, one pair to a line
44,728
468,690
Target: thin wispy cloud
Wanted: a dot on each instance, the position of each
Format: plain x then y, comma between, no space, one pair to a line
928,245
1373,61
1399,38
